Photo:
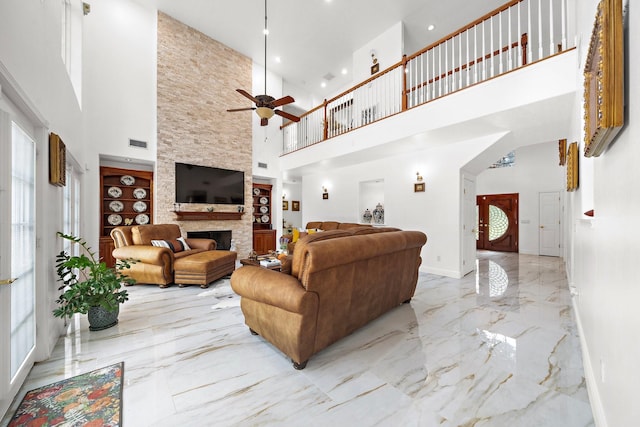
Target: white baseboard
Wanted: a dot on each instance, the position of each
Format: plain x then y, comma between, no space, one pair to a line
441,272
589,374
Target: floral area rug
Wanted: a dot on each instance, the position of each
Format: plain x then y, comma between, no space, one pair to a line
92,399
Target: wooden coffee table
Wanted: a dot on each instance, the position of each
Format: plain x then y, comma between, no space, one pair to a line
256,262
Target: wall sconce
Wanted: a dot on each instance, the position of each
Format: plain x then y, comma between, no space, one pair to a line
325,193
86,8
284,196
418,187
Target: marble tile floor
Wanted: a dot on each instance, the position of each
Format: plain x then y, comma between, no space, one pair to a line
498,347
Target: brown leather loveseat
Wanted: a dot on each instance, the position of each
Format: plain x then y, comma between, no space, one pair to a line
340,280
199,264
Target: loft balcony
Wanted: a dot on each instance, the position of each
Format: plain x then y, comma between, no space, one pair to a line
517,35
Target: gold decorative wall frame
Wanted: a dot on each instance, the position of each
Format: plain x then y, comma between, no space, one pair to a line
562,151
572,167
603,79
57,161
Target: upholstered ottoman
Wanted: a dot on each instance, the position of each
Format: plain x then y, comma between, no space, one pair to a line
204,267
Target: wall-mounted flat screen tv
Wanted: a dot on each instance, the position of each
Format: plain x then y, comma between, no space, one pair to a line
203,184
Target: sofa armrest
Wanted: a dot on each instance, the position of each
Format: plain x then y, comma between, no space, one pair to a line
206,244
273,288
144,254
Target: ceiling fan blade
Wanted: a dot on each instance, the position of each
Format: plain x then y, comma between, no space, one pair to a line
247,94
241,109
264,121
283,101
287,115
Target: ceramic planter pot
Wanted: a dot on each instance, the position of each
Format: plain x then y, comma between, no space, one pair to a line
100,318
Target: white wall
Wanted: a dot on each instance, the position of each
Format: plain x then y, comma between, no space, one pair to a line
604,250
434,211
536,170
388,47
293,191
120,92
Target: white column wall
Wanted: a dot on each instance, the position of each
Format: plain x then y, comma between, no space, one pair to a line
603,251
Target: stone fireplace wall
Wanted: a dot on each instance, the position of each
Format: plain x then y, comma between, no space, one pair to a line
197,79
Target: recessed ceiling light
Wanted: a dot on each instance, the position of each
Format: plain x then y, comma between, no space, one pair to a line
344,71
265,31
278,60
431,27
323,84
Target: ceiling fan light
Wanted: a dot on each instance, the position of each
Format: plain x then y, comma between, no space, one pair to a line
264,112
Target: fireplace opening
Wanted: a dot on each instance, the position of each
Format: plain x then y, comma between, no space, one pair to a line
222,237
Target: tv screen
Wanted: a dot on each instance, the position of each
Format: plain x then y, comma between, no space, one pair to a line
202,184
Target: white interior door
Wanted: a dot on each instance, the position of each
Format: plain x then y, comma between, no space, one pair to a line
549,233
469,224
17,255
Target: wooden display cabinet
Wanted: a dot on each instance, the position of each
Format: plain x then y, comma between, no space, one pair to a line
264,237
126,198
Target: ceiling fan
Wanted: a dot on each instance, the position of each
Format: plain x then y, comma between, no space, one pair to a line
265,104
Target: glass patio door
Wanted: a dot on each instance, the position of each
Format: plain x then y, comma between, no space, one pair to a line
17,257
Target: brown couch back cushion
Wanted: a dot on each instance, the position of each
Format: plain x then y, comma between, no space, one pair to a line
144,234
301,245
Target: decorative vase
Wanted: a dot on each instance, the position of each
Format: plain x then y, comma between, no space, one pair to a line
378,214
101,318
366,217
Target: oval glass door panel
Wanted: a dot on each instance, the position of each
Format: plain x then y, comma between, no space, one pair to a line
498,222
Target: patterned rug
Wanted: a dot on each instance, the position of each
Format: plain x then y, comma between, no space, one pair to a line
92,399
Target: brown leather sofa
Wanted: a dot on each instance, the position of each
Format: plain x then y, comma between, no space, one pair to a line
199,265
340,280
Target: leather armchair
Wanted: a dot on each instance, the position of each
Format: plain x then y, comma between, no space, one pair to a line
153,264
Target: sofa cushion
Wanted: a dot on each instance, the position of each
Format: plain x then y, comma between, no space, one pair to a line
144,234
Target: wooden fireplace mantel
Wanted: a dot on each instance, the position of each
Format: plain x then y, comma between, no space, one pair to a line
208,216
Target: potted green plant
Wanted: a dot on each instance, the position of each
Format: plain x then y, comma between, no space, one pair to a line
89,286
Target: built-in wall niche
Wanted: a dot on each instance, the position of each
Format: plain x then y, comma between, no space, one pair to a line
371,193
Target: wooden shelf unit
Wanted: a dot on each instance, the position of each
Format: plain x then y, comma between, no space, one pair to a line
264,237
111,177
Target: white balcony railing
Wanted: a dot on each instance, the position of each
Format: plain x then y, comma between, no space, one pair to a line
516,34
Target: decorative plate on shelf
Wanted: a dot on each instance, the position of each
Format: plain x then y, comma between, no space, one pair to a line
256,191
114,219
265,218
264,209
127,180
116,206
264,200
139,193
142,219
114,192
139,206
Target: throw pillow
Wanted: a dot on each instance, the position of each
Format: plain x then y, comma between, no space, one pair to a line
184,244
177,245
296,235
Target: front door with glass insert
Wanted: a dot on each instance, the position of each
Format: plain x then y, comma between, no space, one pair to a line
497,222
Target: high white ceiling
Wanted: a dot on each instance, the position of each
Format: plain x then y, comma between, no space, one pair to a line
316,37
